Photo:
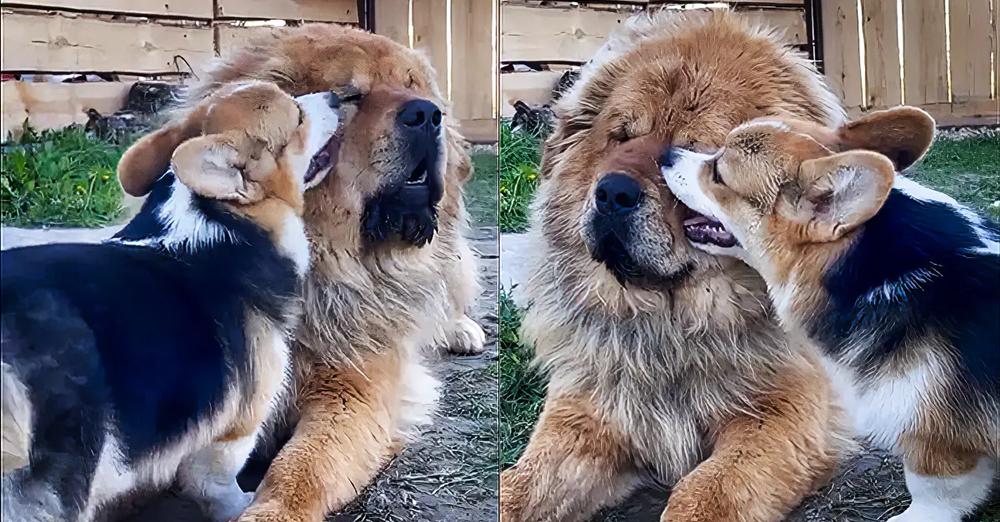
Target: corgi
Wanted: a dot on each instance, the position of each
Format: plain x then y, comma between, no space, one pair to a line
155,358
898,284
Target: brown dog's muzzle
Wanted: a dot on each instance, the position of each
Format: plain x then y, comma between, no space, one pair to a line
405,208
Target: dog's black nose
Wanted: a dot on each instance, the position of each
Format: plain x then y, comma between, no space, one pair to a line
419,114
333,100
617,193
669,157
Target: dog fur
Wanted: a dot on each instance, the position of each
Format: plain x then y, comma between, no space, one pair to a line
373,300
157,356
665,364
899,284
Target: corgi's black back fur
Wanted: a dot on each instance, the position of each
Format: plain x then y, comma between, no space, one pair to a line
142,337
956,291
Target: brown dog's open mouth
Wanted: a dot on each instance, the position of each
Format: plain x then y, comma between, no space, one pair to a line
323,159
703,229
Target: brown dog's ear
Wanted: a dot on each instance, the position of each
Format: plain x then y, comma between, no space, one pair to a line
212,166
147,159
837,193
902,134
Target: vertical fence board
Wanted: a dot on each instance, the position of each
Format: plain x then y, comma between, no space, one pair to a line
971,42
472,71
925,65
430,35
881,53
392,19
841,57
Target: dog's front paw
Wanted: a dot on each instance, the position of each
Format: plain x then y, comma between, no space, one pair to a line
466,337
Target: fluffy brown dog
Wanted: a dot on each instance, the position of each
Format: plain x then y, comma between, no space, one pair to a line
391,271
665,362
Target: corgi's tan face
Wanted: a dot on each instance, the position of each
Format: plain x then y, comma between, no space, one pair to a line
778,186
248,143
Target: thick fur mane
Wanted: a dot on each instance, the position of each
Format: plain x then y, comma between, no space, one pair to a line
672,360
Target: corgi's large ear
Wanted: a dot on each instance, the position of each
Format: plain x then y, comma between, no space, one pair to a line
902,134
213,166
147,159
835,194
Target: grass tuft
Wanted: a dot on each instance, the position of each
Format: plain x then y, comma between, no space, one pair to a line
59,178
968,170
522,388
520,156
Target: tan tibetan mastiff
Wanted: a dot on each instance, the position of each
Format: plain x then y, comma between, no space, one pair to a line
665,363
391,271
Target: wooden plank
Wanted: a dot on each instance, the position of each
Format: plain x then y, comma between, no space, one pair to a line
392,19
841,56
56,105
925,67
345,11
881,53
546,34
971,40
533,88
472,61
789,22
430,34
57,43
479,131
201,9
976,112
230,37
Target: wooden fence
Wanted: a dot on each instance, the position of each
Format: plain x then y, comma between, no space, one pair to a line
938,54
121,41
948,64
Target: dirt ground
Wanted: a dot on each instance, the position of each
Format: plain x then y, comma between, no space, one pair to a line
868,488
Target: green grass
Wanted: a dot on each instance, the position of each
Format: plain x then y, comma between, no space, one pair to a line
968,170
522,389
520,153
59,178
481,190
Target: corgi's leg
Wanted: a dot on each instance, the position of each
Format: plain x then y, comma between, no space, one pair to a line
209,477
946,490
347,430
574,465
763,465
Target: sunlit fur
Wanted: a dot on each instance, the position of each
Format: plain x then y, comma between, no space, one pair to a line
680,373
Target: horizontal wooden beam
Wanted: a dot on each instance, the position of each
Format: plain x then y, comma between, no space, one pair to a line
344,11
64,43
199,9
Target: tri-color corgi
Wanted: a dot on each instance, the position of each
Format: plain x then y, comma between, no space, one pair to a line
155,357
897,283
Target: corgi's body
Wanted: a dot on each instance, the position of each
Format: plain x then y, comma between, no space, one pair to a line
897,283
158,355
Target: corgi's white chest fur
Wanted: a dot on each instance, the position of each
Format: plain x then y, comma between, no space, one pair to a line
881,407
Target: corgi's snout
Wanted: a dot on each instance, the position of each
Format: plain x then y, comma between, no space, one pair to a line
321,119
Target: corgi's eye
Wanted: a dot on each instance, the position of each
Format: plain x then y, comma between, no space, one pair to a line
716,177
349,94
